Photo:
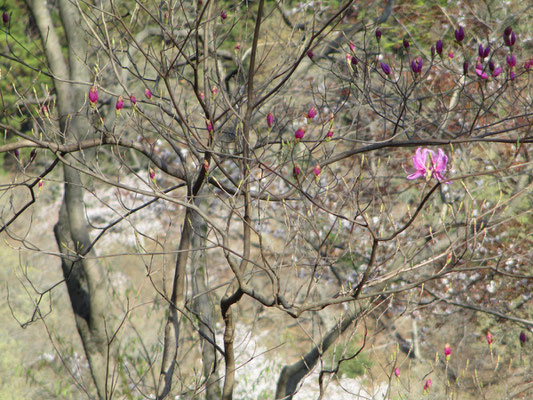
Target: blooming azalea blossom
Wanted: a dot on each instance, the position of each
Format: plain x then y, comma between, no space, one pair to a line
428,168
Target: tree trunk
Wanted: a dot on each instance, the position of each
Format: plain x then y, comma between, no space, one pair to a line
84,278
202,304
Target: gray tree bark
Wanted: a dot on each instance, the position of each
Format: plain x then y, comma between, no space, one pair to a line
83,275
202,304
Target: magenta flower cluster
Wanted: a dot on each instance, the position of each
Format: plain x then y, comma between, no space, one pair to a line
428,167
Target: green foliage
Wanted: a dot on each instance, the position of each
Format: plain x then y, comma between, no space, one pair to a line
351,367
358,366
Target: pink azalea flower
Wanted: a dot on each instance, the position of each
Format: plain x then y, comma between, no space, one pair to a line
480,73
133,100
434,167
397,372
311,113
299,134
148,93
317,170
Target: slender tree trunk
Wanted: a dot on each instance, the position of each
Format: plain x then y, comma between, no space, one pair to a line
83,275
202,305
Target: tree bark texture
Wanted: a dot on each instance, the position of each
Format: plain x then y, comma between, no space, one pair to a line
83,275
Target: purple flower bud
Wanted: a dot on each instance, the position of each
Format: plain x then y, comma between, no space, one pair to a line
299,134
511,40
416,65
523,338
385,68
432,51
329,135
497,72
481,51
507,31
486,52
491,65
465,67
148,93
223,15
310,54
16,153
352,46
511,60
378,35
209,125
5,17
296,170
270,120
512,75
397,372
120,103
439,47
354,60
317,170
460,34
528,64
133,100
311,113
93,96
406,43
